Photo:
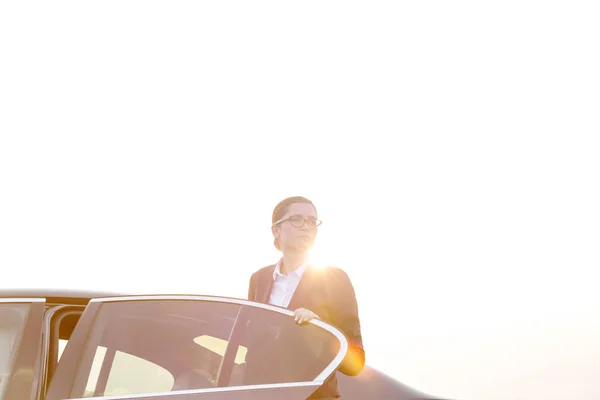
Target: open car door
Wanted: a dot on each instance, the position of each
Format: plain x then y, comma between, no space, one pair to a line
20,335
194,347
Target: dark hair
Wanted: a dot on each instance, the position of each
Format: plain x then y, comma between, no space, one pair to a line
281,209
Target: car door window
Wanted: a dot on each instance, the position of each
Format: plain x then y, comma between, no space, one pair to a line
155,346
195,347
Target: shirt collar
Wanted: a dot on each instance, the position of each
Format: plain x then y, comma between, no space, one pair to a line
298,272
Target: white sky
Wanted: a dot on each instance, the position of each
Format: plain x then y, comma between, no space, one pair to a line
450,147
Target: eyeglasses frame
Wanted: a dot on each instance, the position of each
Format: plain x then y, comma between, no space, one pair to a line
318,222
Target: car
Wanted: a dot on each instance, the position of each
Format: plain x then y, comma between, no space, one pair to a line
66,344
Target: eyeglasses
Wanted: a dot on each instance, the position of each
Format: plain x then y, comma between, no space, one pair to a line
298,221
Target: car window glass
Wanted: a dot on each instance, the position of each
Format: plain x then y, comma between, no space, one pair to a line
12,320
219,346
155,346
272,349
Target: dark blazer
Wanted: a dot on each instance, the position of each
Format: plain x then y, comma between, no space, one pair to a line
328,292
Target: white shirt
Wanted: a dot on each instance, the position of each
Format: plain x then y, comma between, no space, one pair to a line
284,286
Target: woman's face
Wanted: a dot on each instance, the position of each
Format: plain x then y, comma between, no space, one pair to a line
294,232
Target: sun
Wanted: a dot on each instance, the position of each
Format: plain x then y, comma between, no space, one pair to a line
317,257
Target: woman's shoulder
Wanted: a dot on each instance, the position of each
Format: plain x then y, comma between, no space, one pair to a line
334,272
264,270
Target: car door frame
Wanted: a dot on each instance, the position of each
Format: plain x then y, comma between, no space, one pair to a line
50,344
25,366
65,375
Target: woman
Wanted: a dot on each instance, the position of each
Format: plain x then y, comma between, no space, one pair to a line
326,293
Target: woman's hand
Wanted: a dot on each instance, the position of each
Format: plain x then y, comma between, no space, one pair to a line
302,315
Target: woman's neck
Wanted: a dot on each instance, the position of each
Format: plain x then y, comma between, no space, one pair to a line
291,261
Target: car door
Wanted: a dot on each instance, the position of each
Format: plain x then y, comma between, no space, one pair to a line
20,336
194,347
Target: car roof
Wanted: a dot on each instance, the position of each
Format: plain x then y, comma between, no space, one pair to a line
78,296
83,296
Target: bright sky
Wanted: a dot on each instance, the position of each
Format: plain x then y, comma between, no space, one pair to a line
450,147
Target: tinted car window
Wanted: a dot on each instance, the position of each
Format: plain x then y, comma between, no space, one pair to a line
155,346
272,348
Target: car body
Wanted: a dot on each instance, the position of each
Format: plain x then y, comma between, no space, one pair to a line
64,344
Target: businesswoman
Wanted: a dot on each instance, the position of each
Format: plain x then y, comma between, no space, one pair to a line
325,293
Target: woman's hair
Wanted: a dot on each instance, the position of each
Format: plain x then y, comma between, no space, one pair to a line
281,209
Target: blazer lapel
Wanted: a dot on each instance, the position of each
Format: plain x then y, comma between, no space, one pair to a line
266,285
